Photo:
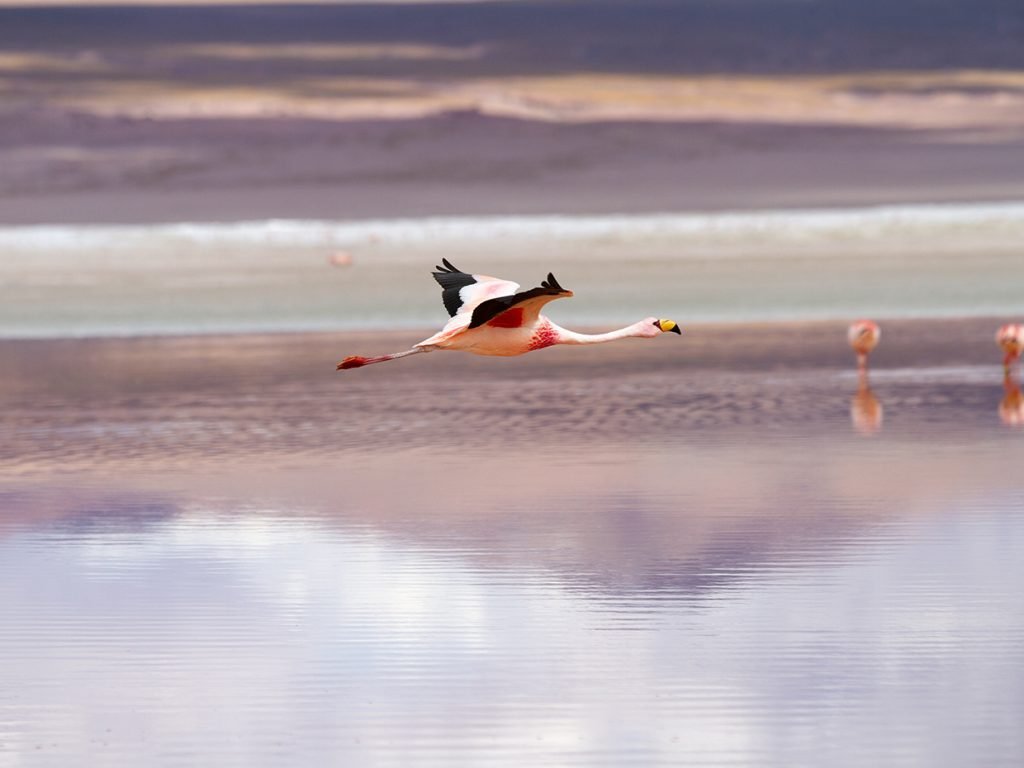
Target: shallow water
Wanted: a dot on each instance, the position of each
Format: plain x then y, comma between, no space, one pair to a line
898,261
707,567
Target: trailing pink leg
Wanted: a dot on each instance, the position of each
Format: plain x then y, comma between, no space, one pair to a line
357,361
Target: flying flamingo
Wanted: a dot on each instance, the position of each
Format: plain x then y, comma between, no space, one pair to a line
1011,338
863,337
492,317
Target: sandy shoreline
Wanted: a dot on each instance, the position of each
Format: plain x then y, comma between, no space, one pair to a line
925,261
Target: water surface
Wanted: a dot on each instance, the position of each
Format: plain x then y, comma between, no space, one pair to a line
686,564
886,261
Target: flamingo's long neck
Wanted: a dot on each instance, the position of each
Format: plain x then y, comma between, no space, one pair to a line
565,336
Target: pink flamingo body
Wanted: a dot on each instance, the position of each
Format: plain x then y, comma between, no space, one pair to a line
863,336
490,316
1010,338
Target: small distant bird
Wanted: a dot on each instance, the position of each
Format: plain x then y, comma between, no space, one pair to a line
1011,338
863,336
493,317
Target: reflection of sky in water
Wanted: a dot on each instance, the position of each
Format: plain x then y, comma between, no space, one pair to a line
254,638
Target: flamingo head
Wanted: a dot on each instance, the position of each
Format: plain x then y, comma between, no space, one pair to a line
652,326
863,336
1011,338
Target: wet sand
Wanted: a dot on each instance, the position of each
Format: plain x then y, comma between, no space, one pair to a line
152,402
768,419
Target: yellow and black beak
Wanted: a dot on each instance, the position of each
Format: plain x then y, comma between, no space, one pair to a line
670,326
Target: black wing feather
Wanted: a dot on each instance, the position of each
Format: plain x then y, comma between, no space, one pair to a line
551,283
490,309
452,280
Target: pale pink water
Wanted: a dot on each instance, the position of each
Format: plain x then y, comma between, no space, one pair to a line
219,551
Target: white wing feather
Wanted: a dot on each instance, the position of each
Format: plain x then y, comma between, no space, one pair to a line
484,288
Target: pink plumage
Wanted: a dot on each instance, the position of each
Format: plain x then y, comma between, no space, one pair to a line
863,336
1010,338
493,317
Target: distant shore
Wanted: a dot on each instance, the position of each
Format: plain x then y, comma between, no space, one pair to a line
139,115
128,171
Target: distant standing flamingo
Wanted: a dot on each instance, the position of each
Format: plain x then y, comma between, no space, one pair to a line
492,317
863,336
340,259
1011,338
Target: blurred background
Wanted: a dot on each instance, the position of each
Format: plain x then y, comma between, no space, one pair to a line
198,167
728,547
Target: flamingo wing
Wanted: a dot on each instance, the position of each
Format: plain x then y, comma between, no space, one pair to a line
463,292
519,308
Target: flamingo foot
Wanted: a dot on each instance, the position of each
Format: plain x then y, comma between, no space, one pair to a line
354,361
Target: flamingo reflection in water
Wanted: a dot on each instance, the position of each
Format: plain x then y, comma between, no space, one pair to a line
866,411
1010,338
1011,407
